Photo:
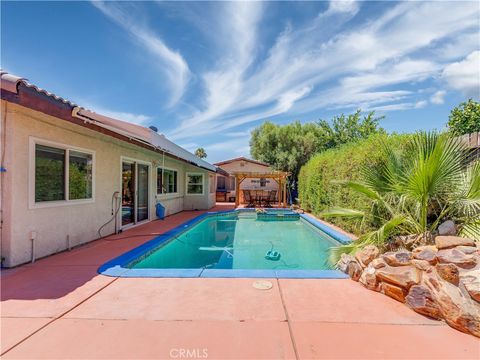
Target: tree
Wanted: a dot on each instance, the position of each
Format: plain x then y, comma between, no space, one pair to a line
352,127
290,146
200,152
286,147
465,118
412,192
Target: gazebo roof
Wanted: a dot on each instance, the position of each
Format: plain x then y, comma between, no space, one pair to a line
266,175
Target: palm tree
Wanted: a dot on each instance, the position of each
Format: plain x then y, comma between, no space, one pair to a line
414,190
200,152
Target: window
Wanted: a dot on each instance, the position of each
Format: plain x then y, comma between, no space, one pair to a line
167,184
195,184
62,174
221,183
80,175
49,173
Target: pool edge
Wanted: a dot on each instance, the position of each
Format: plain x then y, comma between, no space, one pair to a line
115,267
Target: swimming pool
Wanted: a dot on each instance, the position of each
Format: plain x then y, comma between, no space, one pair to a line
239,243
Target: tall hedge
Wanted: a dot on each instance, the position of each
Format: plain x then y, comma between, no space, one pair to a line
316,190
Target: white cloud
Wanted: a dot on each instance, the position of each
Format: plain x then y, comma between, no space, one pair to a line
171,63
224,84
464,75
373,65
438,97
139,119
343,6
421,104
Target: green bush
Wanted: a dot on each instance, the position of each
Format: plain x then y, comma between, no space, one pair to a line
317,190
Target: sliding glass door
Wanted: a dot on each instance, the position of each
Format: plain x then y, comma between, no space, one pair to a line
142,198
135,195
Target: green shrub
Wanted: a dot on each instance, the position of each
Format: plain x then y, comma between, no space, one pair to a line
317,190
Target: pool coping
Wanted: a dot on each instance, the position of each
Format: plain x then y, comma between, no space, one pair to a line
116,267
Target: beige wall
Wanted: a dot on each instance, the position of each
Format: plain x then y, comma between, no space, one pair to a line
79,221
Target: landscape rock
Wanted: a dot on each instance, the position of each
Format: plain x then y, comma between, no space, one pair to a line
441,282
447,242
447,228
471,281
456,257
404,276
367,254
354,270
399,258
369,278
420,299
378,263
468,249
425,247
427,255
458,310
421,264
448,272
395,292
345,259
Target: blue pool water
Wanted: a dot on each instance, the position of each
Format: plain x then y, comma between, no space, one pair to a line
241,240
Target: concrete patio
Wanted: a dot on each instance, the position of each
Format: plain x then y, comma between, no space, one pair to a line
59,307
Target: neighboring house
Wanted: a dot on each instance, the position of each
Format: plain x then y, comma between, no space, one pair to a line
472,142
67,171
226,185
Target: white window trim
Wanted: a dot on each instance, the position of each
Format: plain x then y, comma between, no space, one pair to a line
33,141
203,183
167,195
151,204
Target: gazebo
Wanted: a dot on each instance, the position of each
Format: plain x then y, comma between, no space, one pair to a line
279,176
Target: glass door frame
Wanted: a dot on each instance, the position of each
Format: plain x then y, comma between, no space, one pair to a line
124,159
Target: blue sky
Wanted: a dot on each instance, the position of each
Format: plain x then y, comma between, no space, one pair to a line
206,73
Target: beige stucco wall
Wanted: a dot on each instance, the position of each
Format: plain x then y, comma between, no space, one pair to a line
78,221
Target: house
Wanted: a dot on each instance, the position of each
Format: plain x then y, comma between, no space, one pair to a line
69,175
257,177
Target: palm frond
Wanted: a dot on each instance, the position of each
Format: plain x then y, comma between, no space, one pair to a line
342,212
336,252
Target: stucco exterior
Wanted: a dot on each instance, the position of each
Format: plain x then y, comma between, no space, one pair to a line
56,227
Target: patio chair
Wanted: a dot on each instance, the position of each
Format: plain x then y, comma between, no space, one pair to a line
270,198
248,198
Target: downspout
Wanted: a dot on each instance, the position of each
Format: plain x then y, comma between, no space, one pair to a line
3,131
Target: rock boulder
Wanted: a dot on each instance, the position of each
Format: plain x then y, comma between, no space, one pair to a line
345,259
369,278
471,281
447,228
395,292
422,265
354,270
456,257
398,258
420,299
448,272
403,276
427,255
458,310
367,254
447,242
